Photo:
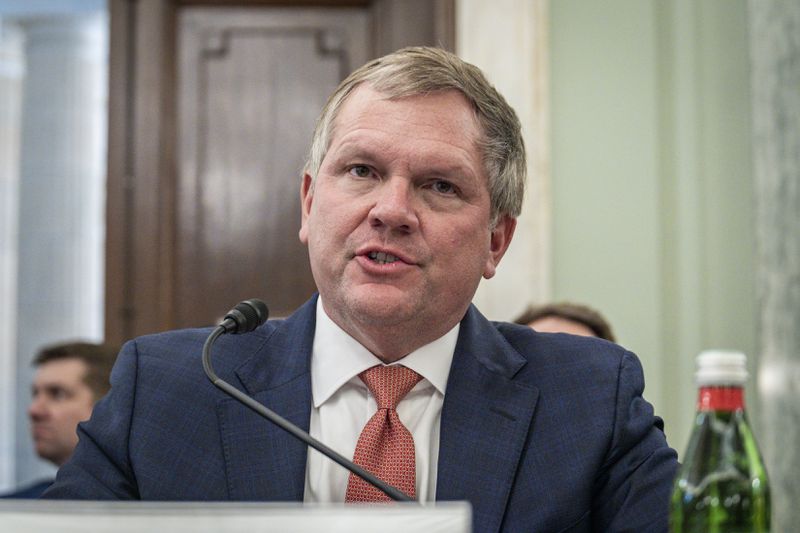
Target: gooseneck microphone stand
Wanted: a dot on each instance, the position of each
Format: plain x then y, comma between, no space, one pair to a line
245,317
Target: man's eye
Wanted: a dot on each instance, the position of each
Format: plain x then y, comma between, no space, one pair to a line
360,171
443,187
59,394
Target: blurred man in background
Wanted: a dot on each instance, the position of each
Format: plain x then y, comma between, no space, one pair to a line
69,380
566,317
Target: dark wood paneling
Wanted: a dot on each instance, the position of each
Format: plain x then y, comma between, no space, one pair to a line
153,191
141,169
251,87
276,3
120,149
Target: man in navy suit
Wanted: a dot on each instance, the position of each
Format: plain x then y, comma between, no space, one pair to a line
410,196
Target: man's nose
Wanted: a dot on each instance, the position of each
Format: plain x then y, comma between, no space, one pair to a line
395,206
37,409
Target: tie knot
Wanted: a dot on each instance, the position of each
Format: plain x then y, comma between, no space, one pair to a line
389,384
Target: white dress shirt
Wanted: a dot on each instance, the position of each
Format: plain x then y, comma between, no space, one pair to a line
342,405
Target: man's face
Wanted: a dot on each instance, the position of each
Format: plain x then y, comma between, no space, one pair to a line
61,399
397,221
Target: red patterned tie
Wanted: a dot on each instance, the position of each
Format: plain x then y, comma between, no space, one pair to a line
385,447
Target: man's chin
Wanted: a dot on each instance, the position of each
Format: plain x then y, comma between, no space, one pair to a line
45,453
387,306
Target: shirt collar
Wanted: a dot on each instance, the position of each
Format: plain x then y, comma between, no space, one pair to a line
337,358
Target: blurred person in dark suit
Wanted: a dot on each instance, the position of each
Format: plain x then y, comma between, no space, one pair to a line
69,379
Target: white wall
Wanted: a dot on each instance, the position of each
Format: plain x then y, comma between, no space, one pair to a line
652,181
499,37
649,197
11,75
53,66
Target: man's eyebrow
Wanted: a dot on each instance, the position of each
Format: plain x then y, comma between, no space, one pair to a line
352,148
50,387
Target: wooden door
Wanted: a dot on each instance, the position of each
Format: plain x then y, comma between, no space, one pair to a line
251,85
211,114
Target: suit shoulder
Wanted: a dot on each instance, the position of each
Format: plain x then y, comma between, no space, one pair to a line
182,346
562,350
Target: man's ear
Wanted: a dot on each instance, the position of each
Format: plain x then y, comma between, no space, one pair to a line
306,198
498,244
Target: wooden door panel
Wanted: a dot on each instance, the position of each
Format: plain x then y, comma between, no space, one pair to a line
250,89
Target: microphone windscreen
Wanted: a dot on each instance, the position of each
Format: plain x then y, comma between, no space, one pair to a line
247,316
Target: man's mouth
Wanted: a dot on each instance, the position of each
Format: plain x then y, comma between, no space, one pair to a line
382,258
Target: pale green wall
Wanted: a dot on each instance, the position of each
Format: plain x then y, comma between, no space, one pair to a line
652,181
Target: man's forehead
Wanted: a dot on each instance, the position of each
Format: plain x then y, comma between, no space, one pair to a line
67,370
363,107
366,93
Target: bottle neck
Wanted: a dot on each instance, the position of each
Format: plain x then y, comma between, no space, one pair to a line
727,398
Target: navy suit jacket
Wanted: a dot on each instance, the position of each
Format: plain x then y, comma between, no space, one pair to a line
539,432
30,492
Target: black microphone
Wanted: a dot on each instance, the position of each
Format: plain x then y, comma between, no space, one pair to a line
245,317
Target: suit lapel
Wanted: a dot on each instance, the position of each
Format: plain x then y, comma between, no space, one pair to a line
485,422
263,462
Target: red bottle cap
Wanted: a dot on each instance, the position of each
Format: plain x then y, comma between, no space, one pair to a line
726,399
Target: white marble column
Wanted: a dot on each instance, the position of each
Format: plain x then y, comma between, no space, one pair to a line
61,197
518,28
11,72
775,56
